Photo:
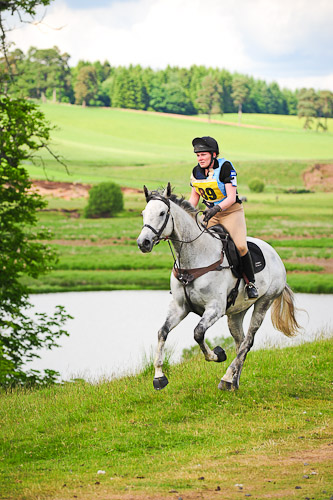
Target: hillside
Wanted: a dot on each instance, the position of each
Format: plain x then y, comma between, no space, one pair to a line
131,147
270,439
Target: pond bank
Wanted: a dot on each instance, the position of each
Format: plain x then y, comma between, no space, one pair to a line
113,332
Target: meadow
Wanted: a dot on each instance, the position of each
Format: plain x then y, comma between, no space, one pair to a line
120,439
271,439
134,148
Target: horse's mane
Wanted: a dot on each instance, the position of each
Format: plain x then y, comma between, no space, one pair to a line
181,202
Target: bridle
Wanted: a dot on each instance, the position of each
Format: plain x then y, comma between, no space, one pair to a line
185,276
168,214
203,228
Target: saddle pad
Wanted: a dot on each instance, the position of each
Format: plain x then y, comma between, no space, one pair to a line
258,258
232,254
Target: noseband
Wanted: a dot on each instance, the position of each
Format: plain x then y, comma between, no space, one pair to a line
160,231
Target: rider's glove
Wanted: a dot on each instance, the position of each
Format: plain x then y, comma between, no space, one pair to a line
210,212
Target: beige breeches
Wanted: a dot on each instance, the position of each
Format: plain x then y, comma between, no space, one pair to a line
233,219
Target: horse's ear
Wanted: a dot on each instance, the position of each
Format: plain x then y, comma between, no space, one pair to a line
167,192
145,190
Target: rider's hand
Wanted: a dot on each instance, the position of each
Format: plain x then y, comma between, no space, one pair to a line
210,212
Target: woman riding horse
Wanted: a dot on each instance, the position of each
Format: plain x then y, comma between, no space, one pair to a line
215,181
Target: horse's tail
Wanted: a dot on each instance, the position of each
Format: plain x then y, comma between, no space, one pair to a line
283,313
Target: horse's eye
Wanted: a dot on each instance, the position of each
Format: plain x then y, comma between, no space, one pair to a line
162,213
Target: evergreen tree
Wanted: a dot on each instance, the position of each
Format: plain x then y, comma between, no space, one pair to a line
291,101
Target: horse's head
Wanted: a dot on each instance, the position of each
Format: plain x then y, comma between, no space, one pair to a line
157,223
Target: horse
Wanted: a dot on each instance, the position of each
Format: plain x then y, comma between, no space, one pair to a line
199,255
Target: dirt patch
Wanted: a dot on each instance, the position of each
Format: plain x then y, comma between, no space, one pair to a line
319,177
69,190
306,467
326,264
64,190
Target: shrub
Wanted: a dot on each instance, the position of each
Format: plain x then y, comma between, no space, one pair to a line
105,200
256,185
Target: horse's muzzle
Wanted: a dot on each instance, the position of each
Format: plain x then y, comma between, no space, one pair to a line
145,244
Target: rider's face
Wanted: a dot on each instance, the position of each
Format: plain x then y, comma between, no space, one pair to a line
204,159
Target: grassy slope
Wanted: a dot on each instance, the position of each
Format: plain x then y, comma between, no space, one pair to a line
134,148
56,439
96,142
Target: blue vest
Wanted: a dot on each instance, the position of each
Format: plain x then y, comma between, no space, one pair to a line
211,189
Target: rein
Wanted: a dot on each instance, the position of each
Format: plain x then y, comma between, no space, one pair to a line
185,276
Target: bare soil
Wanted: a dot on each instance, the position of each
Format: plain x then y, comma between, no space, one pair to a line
319,177
68,190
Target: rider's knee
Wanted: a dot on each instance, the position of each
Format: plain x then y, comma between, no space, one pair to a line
242,249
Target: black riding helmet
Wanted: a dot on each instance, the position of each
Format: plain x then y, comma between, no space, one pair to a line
205,144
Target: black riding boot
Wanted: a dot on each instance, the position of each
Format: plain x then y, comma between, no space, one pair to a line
250,288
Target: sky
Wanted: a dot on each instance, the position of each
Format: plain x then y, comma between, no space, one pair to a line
287,41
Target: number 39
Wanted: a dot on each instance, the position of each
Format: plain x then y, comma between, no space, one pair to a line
208,193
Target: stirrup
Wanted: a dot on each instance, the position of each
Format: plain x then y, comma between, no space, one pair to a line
251,290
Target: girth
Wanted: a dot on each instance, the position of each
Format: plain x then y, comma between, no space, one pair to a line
186,276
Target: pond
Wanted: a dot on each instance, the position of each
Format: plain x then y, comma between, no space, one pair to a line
112,333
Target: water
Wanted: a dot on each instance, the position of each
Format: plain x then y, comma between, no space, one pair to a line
112,332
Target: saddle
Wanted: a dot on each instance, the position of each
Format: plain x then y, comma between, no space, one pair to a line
232,253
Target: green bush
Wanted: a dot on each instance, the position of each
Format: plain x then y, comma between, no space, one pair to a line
105,200
256,185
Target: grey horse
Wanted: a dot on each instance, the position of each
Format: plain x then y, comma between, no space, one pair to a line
168,217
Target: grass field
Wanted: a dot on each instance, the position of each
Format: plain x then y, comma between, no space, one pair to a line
133,148
101,254
271,439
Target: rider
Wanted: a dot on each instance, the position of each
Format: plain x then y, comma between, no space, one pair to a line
215,181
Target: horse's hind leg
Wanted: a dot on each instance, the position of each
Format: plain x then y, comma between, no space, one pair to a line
175,315
231,379
209,317
235,324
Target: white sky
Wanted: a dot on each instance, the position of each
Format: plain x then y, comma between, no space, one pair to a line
288,41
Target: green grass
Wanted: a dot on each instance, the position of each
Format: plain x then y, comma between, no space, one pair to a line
131,148
286,122
189,438
102,254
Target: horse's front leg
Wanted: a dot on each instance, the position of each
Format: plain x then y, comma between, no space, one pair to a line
175,315
212,313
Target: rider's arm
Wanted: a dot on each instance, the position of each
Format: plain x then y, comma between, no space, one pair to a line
230,198
194,198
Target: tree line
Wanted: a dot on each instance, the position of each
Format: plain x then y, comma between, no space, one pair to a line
45,74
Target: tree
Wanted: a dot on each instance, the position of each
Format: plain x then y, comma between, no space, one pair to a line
209,98
240,92
23,132
171,98
325,107
307,106
86,86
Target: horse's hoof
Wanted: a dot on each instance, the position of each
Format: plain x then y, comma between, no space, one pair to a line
220,353
160,382
225,386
